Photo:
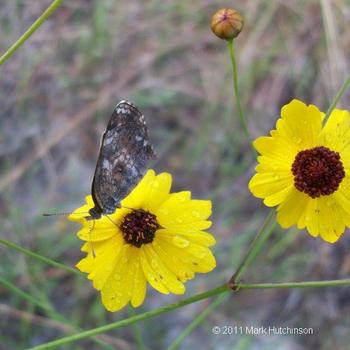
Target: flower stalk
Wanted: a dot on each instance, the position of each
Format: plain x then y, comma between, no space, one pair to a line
255,247
231,48
337,97
44,16
193,299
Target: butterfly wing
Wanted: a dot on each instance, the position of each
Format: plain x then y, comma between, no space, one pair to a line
123,160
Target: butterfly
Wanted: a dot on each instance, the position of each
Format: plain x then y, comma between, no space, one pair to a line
123,159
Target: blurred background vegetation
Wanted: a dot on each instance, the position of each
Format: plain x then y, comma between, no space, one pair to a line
57,93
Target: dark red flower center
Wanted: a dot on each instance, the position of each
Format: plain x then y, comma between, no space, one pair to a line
139,227
317,171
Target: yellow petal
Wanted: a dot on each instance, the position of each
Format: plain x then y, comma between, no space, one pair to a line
331,220
342,195
345,158
276,149
290,211
273,187
302,124
115,292
168,278
139,286
86,264
172,262
151,276
105,262
97,233
173,213
198,257
195,236
139,194
158,192
336,133
325,218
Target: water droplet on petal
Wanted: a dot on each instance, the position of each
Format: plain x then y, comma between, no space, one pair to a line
164,211
180,242
296,139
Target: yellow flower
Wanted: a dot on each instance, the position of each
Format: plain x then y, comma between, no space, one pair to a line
156,237
304,168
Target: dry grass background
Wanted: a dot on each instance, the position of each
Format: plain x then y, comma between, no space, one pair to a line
57,93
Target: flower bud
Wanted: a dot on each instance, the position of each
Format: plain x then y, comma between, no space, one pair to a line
226,24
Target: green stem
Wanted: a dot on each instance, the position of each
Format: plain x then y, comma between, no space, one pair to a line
337,97
24,295
45,15
198,320
137,331
255,247
290,285
41,258
193,299
243,121
133,319
48,310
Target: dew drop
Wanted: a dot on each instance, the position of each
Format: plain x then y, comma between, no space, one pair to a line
180,242
164,211
296,139
196,214
154,263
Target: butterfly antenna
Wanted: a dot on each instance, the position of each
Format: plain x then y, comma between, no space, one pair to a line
125,207
64,214
91,243
112,221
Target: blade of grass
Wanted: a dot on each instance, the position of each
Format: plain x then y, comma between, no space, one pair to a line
137,331
337,97
23,294
45,15
58,318
39,257
255,247
197,321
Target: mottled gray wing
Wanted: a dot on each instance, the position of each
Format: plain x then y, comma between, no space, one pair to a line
123,160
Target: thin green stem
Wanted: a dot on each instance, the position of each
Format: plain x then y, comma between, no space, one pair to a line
193,299
137,331
255,247
23,294
290,285
48,310
231,48
337,97
133,319
39,257
45,15
197,321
